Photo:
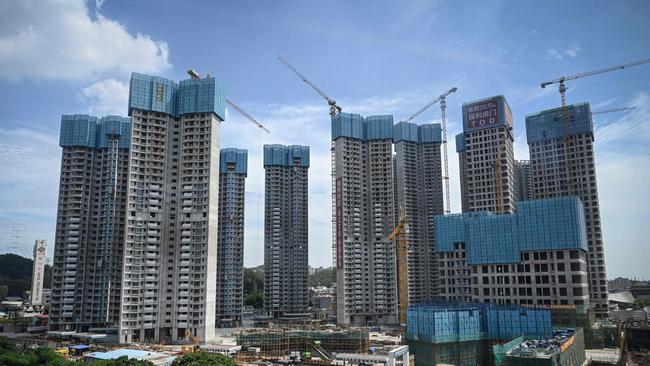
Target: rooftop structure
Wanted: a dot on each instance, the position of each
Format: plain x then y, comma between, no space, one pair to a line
564,348
157,94
395,357
535,256
158,359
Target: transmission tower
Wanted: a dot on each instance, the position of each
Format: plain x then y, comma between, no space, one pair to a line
17,238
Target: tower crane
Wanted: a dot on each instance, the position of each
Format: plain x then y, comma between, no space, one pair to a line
562,79
443,125
245,114
614,110
195,75
334,108
399,233
565,118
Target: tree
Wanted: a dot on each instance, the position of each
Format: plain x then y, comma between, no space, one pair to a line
11,355
122,361
254,287
322,277
255,299
15,273
4,290
204,359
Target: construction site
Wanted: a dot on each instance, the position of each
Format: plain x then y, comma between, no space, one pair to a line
278,343
464,333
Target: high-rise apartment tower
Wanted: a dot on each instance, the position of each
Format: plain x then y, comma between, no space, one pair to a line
89,238
418,191
170,248
485,146
233,166
563,164
286,268
363,216
523,182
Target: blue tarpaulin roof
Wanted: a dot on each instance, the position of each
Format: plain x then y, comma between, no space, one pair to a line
79,346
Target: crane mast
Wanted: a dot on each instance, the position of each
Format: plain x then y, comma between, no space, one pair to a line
399,235
498,183
443,127
334,108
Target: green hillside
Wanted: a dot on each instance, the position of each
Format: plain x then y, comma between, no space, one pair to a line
16,274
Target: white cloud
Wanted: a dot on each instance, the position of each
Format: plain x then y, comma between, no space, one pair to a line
29,161
573,50
59,40
603,104
105,97
632,126
553,54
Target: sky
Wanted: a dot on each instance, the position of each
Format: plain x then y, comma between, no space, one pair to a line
372,57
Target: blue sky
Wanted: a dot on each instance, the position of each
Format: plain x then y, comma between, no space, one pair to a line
373,57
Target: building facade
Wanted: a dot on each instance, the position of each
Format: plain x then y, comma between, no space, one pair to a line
560,169
523,180
38,271
485,147
363,216
233,167
89,238
170,247
286,268
537,256
418,191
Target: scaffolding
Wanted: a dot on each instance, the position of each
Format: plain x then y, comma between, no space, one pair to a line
444,322
462,333
278,343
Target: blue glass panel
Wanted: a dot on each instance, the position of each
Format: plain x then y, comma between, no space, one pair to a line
430,132
153,93
238,157
281,155
460,142
549,124
89,131
549,224
405,131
